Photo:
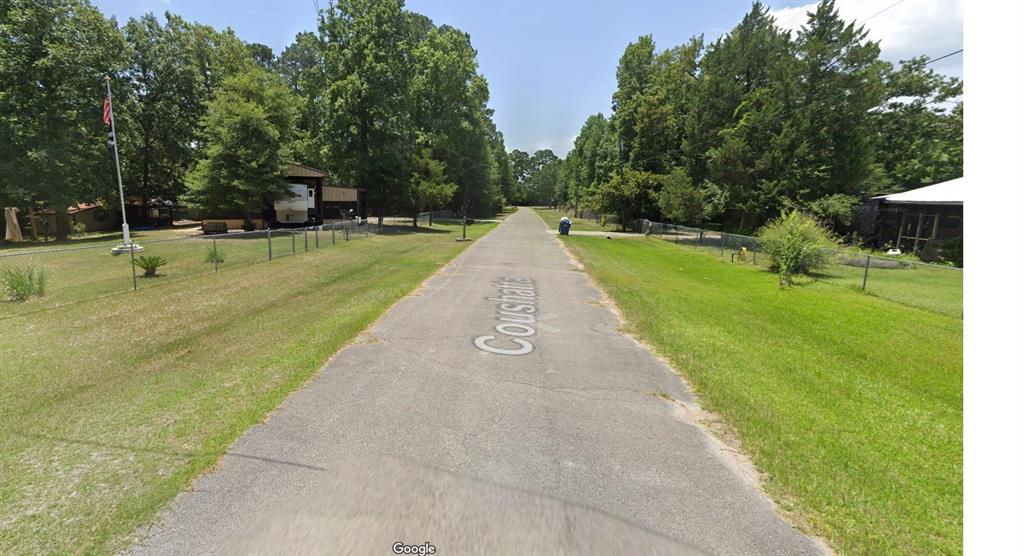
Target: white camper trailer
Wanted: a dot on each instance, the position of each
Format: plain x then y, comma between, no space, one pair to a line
309,202
296,208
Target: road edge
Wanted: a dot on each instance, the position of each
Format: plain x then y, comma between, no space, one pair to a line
723,438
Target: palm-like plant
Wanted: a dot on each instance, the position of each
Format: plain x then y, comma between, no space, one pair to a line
150,264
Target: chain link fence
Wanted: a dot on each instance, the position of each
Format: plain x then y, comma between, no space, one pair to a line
398,224
73,274
904,280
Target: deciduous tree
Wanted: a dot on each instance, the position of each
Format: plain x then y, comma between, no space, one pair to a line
54,57
247,135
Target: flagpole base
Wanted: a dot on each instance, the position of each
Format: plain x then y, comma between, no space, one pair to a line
124,248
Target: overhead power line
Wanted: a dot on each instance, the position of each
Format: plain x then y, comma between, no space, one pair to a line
788,21
883,11
929,62
779,116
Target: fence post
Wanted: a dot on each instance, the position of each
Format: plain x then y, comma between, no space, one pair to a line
216,256
430,216
269,246
316,233
292,242
333,233
305,238
134,277
754,253
866,268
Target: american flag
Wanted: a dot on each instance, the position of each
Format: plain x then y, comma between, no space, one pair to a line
108,117
106,110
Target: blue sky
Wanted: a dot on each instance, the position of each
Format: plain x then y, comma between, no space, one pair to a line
550,64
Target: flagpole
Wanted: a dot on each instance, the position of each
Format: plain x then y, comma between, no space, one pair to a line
126,245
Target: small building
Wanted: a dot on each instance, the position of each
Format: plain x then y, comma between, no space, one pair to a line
142,214
311,202
94,217
146,213
919,221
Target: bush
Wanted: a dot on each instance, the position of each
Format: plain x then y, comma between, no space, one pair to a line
797,244
19,284
951,252
214,255
150,264
77,229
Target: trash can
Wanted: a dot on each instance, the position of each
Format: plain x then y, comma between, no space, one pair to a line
564,225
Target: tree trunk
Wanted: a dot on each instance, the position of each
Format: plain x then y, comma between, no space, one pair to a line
61,225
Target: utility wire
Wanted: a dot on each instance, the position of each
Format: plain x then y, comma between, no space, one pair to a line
789,20
930,61
779,116
883,11
782,26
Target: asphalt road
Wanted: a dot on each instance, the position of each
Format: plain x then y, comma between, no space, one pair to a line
415,434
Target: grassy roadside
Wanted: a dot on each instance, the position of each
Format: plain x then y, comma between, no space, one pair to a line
850,404
924,286
552,217
90,271
110,407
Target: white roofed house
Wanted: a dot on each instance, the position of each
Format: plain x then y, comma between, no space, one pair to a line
923,220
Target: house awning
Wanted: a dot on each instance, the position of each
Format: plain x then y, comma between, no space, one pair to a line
945,193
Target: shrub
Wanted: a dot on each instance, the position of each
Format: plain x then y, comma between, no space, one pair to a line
77,229
150,264
952,252
797,244
214,255
19,284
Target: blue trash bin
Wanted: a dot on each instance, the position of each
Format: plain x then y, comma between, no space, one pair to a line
564,226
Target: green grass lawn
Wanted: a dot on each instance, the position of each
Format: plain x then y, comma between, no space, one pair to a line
850,404
931,287
553,216
107,237
111,406
928,287
89,270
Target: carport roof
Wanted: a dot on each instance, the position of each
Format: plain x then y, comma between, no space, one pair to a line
945,193
301,171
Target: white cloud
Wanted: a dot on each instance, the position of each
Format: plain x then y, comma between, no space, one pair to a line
560,145
909,29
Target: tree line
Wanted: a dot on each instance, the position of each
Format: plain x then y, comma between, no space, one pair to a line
380,97
761,121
